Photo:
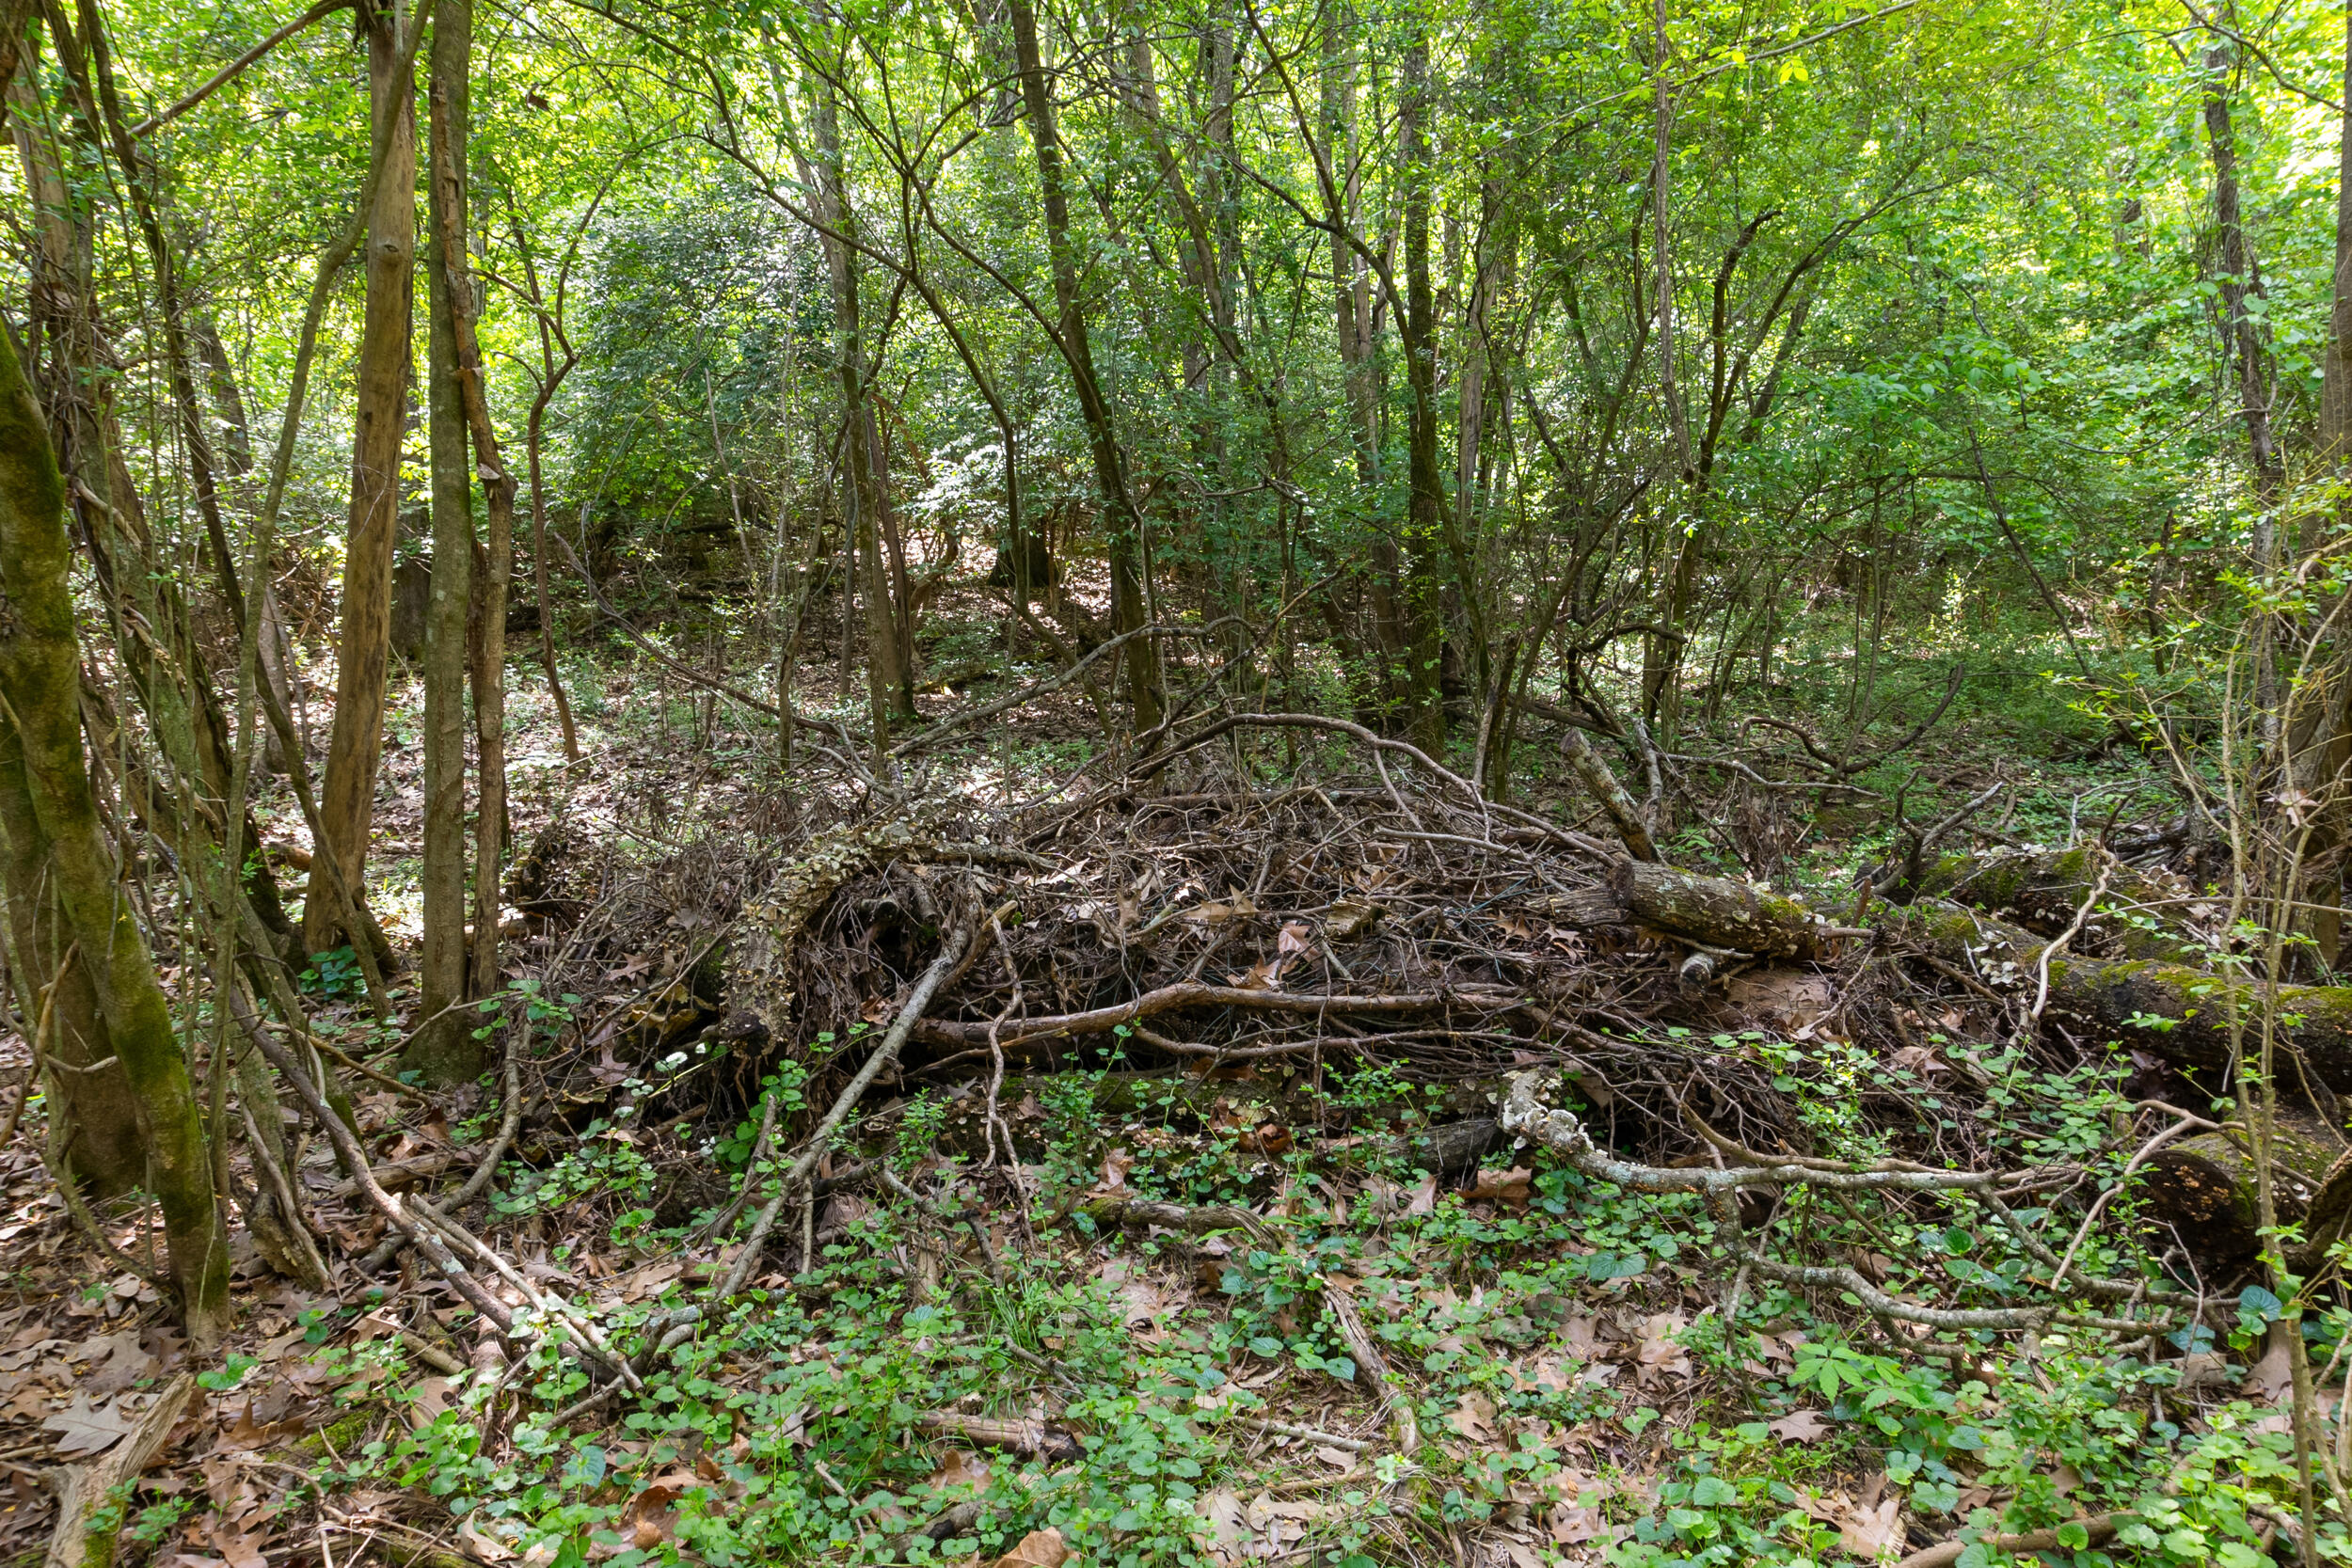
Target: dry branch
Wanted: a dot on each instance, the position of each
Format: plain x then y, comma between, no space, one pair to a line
1524,1115
1096,1020
2098,1527
88,1516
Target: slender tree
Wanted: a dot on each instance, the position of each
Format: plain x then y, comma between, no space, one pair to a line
354,746
1122,525
443,1048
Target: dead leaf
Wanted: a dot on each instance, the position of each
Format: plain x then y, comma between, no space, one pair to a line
1040,1549
1116,1164
1261,976
482,1546
1473,1418
83,1428
1228,1534
1659,1348
1292,939
1505,1186
961,1467
1800,1426
647,1282
238,1549
1268,1139
432,1400
1424,1200
1571,1526
1338,1459
2269,1380
1520,1552
1867,1532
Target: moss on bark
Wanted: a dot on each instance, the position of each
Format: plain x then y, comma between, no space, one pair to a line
54,816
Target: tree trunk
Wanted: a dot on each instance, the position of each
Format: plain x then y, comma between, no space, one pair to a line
2204,1186
354,746
443,1048
497,565
2238,284
1424,528
1122,525
1662,653
888,694
49,819
98,1106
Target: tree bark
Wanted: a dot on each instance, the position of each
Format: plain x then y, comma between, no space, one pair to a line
1424,525
48,818
354,746
488,643
98,1107
443,1048
1718,912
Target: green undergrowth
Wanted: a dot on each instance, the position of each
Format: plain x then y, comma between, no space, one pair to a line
1561,1343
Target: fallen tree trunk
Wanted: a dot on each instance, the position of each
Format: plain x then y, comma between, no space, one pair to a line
2182,1013
1717,912
2137,916
2178,1011
2204,1187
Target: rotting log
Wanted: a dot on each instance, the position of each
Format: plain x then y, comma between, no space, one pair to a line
2313,1024
1720,913
2204,1187
759,953
2043,889
2328,1217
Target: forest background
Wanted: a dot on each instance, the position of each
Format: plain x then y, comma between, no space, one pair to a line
525,529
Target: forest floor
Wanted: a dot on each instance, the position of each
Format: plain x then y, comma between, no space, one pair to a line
1099,1310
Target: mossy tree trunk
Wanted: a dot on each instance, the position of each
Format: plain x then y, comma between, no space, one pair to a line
49,819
